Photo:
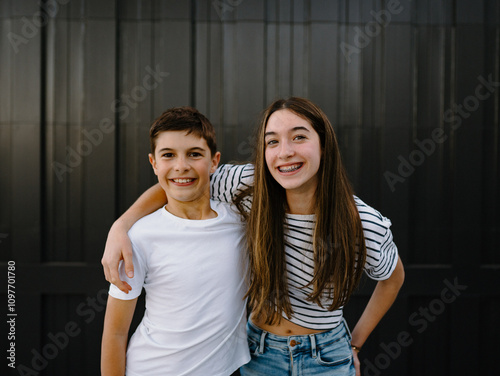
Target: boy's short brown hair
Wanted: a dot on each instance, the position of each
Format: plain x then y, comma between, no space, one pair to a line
183,119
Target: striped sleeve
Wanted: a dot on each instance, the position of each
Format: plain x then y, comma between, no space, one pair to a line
381,252
229,180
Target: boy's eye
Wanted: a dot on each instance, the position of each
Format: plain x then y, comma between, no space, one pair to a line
168,155
195,154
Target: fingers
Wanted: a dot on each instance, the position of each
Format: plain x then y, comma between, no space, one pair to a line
114,278
123,286
118,247
106,269
112,274
127,261
357,364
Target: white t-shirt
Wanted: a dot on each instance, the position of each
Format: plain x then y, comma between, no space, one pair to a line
194,275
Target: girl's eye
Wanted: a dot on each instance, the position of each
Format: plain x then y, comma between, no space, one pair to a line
299,137
271,142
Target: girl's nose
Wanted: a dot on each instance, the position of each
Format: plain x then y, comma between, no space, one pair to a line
286,150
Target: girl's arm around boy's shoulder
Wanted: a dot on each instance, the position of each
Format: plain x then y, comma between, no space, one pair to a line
117,321
230,179
118,246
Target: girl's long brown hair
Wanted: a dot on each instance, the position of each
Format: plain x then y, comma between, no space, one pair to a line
339,246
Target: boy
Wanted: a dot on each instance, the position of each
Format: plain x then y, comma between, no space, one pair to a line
189,258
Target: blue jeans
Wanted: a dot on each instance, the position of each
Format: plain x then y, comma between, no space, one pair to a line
325,353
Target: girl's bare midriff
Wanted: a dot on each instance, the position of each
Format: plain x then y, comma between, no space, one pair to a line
284,328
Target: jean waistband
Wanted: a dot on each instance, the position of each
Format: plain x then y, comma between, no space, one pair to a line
306,342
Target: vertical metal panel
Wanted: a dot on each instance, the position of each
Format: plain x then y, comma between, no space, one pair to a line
429,190
64,88
243,79
100,84
430,338
465,138
71,322
208,72
215,88
171,10
327,10
249,10
202,66
384,98
491,140
271,61
21,144
488,311
6,58
134,102
81,81
398,118
25,138
243,83
324,78
285,63
29,327
172,54
250,78
468,320
300,61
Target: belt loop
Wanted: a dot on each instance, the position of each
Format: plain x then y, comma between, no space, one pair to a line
262,339
313,345
347,329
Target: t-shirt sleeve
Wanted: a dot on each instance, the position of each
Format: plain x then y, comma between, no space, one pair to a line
229,180
139,276
381,252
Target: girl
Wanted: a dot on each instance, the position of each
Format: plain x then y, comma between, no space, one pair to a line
306,234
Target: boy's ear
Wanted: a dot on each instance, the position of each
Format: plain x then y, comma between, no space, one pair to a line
153,162
215,162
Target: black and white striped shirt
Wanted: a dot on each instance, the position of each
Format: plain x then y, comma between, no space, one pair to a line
381,258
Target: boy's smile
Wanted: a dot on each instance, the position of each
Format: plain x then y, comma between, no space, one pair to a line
182,181
183,164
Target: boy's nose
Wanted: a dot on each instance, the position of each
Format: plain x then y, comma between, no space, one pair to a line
181,165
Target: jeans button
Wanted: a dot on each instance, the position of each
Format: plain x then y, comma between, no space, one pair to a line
293,343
